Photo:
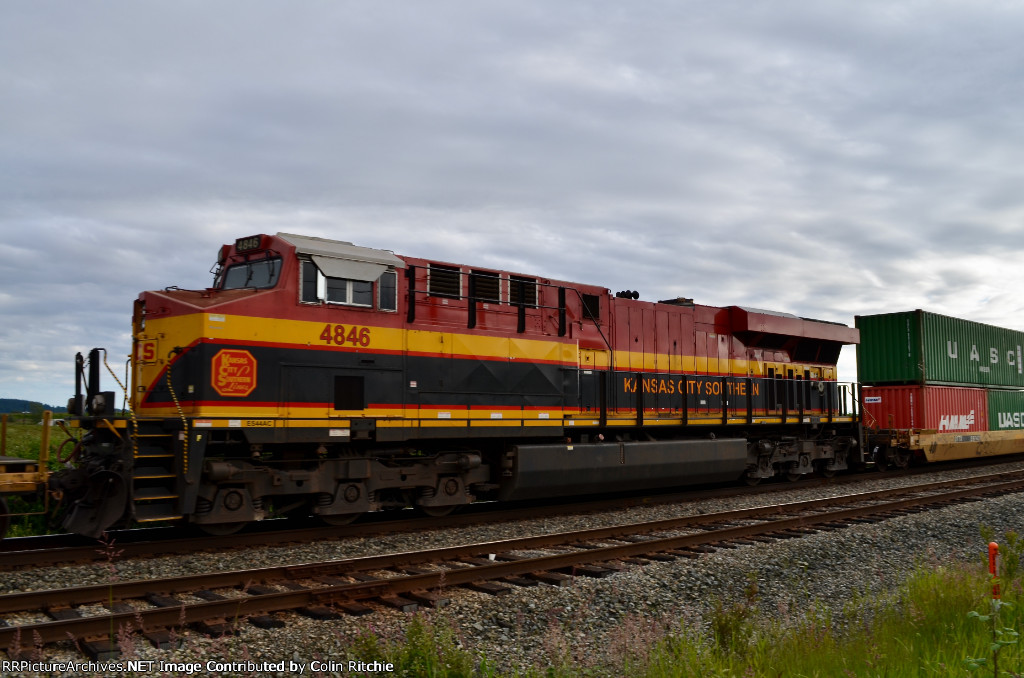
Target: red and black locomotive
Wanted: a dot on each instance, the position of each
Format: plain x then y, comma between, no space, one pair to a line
319,377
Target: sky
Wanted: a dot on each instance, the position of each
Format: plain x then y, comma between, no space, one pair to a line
825,159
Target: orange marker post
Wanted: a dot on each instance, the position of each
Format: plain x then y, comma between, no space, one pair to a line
993,553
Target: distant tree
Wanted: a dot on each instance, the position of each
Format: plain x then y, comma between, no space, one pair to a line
19,406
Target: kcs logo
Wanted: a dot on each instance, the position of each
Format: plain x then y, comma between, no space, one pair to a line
233,373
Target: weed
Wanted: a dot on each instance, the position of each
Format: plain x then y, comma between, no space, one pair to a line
1002,637
428,648
732,623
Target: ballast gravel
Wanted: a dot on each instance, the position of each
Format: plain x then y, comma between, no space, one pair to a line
589,622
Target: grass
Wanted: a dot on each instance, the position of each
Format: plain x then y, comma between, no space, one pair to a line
24,434
939,623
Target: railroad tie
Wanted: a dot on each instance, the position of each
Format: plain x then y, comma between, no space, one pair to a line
520,581
594,571
684,553
490,587
63,613
162,639
400,603
265,621
318,612
637,561
354,609
99,649
215,628
158,600
428,599
552,578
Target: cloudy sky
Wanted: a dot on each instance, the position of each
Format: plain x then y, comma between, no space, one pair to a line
821,158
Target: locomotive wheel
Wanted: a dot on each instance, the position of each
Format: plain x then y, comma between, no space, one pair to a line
438,511
793,476
221,529
751,480
339,519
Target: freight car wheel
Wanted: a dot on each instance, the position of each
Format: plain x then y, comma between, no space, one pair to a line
901,459
881,462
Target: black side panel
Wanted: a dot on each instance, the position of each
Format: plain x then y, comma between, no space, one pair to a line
306,378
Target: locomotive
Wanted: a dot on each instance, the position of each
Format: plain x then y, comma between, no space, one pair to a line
320,377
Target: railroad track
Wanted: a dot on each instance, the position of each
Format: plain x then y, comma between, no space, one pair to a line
24,552
21,552
216,603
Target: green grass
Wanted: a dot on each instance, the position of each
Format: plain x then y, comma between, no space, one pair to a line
24,435
925,628
24,439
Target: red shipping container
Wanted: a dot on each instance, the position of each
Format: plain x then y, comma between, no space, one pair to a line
939,408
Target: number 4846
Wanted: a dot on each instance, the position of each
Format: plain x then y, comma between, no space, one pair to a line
340,335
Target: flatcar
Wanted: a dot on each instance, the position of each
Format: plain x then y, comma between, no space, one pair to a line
320,377
938,388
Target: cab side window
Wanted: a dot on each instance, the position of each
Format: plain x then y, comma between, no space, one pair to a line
310,273
387,291
319,288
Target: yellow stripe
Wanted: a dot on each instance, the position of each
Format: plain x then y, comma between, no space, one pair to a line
457,417
300,333
183,330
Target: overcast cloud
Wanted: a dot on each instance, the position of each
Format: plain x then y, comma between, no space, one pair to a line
823,159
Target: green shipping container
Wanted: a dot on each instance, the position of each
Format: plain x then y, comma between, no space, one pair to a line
917,347
1005,410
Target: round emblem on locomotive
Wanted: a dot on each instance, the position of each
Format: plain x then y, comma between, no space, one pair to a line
233,373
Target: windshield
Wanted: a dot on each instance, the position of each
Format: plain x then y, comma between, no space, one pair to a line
259,274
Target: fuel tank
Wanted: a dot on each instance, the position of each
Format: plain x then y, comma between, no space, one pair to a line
573,469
